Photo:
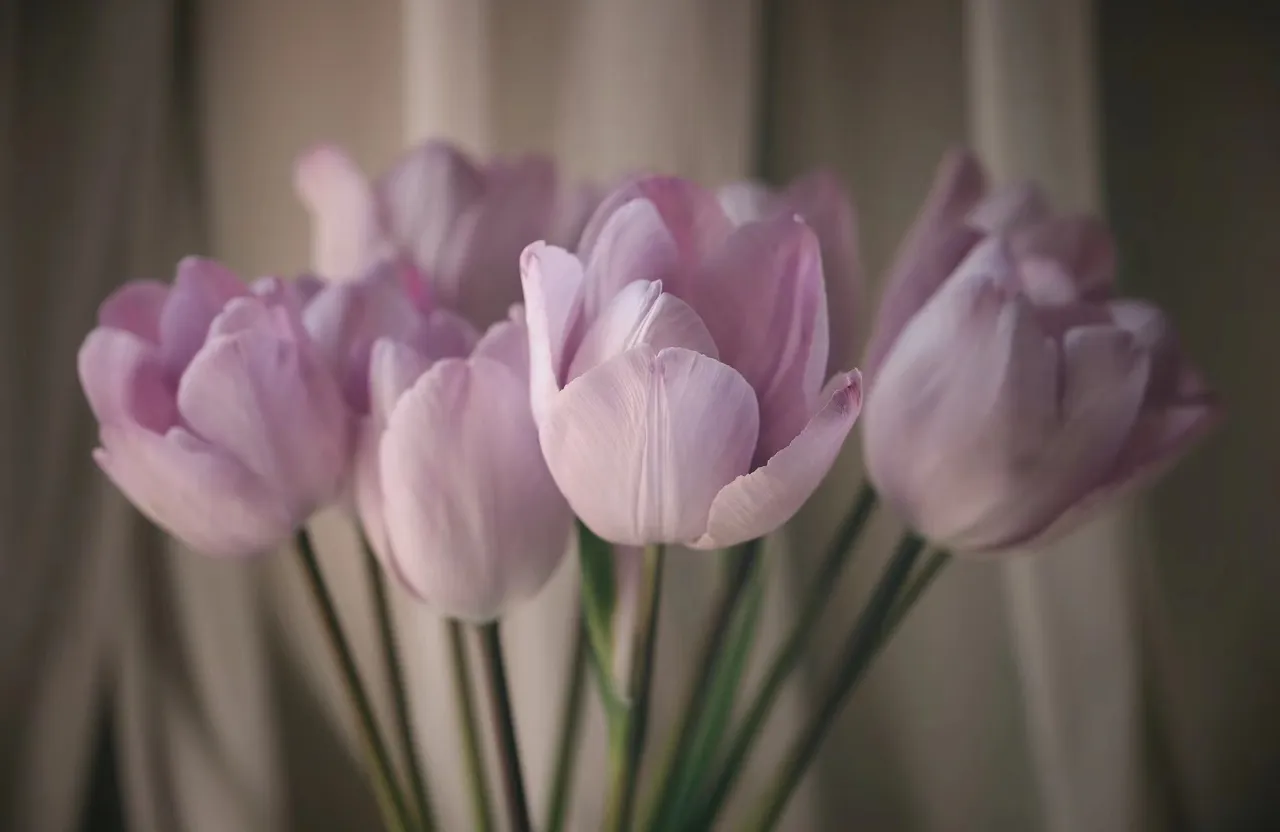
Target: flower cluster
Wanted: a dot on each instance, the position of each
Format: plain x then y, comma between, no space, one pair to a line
479,353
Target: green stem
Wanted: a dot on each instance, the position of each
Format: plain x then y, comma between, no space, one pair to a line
628,741
920,582
570,730
399,691
864,643
395,814
788,656
464,697
705,667
504,728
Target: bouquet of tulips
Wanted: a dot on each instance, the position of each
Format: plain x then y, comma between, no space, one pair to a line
494,370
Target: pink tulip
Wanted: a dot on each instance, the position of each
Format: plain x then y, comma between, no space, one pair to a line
450,483
677,368
217,417
1010,392
824,205
462,224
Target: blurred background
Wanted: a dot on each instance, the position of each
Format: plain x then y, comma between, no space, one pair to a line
1129,679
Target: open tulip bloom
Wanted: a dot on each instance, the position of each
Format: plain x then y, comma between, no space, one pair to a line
670,379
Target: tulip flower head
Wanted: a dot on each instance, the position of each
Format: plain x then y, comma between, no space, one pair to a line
218,418
462,224
449,480
677,369
1009,390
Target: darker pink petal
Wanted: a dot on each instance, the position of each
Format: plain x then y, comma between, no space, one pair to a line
135,307
200,291
125,381
692,214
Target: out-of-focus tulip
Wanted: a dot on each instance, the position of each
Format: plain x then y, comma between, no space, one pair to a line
450,483
823,203
1009,391
677,369
461,223
217,416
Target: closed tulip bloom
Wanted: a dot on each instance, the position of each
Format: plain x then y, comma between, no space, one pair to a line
823,203
463,224
218,418
1010,391
450,483
677,369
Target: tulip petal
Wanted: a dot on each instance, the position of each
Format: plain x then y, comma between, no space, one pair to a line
634,245
938,240
642,314
423,196
762,299
757,503
691,214
135,307
747,201
366,487
200,291
479,264
125,381
199,495
394,367
271,402
507,342
1079,248
552,280
346,235
824,204
642,444
474,519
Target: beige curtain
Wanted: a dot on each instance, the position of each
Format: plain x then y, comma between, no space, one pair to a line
1121,682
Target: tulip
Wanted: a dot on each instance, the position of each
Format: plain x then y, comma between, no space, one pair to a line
449,484
824,205
676,369
461,223
1010,393
218,419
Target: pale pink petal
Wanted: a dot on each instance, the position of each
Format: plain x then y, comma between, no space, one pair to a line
200,291
193,491
634,245
552,279
641,445
394,367
135,307
423,196
757,503
346,234
692,214
366,486
479,271
746,201
475,522
507,342
824,204
938,240
273,404
1080,247
762,299
641,314
1104,380
125,381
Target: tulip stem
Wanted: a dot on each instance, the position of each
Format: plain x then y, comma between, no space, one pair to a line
464,699
570,730
504,728
787,658
399,691
629,738
707,665
391,801
868,635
